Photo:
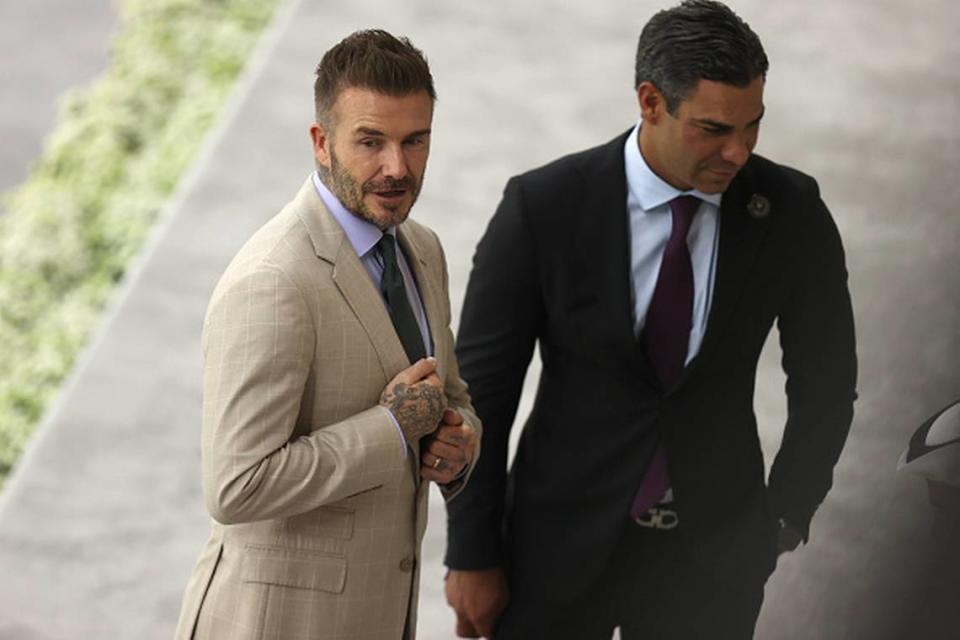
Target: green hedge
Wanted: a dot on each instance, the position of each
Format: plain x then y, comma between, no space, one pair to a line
114,157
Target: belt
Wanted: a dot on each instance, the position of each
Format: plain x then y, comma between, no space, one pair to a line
662,516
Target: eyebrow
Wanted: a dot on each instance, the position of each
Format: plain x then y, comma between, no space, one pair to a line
367,131
723,126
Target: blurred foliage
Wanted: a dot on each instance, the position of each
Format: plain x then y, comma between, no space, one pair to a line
115,155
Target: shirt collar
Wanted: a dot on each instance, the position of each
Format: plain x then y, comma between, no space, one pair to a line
363,235
649,189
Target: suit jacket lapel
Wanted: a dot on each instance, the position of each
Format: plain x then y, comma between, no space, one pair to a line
741,238
605,251
351,279
431,298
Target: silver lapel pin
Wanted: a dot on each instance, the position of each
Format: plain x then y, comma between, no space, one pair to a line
758,207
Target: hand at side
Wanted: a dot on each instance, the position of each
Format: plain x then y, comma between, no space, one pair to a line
478,598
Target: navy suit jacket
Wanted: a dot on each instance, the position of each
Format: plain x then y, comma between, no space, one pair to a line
553,268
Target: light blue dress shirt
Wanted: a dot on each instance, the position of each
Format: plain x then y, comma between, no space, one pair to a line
648,207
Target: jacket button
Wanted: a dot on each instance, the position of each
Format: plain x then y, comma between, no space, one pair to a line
406,565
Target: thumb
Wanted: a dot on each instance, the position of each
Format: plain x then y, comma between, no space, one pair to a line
418,370
452,417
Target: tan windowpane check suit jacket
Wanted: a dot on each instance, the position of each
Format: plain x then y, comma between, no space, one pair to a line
318,516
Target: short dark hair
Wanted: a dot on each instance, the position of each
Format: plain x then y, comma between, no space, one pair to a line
371,59
697,39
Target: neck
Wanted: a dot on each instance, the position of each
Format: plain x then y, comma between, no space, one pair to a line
648,151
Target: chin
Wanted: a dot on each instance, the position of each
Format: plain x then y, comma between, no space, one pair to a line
716,185
712,188
390,218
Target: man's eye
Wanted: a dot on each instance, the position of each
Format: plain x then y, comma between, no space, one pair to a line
370,143
416,142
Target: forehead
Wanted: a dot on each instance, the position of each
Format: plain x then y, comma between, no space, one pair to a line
722,102
358,107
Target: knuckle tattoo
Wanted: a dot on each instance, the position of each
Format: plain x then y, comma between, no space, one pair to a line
417,407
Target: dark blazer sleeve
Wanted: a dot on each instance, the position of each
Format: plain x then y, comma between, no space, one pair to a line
819,358
501,317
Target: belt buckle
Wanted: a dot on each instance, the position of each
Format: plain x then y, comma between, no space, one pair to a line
659,518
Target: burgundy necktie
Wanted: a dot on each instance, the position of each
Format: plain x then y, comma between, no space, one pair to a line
666,333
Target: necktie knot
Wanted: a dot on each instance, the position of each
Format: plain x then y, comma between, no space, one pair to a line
387,247
683,209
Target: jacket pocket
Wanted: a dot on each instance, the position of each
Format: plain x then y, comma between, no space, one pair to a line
299,568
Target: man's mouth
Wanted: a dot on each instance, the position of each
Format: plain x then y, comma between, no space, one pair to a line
391,194
726,173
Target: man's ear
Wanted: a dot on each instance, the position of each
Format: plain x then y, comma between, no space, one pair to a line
653,105
321,144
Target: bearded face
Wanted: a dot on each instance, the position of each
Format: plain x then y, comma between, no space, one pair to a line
373,155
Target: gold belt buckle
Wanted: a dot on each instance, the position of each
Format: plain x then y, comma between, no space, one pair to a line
659,518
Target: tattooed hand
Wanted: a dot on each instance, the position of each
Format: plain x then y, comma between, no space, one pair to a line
415,398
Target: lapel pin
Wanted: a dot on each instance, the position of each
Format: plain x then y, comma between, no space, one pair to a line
758,207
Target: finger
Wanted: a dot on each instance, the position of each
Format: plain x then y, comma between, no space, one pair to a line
443,465
446,467
486,623
458,436
418,370
443,469
484,627
432,461
446,476
452,417
432,379
465,629
450,453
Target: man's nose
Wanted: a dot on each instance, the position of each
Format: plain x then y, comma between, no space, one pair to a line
393,162
736,151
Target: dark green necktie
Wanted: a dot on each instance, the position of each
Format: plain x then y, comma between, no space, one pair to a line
398,305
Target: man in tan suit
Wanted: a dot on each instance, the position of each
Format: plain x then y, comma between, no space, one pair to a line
318,433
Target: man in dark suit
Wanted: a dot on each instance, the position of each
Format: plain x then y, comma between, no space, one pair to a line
650,271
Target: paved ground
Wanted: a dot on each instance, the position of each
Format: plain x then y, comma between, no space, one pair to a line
102,522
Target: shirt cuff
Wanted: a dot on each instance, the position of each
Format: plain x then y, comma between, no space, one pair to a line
403,439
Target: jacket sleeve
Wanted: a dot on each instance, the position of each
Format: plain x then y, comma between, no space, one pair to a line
259,341
501,320
819,359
